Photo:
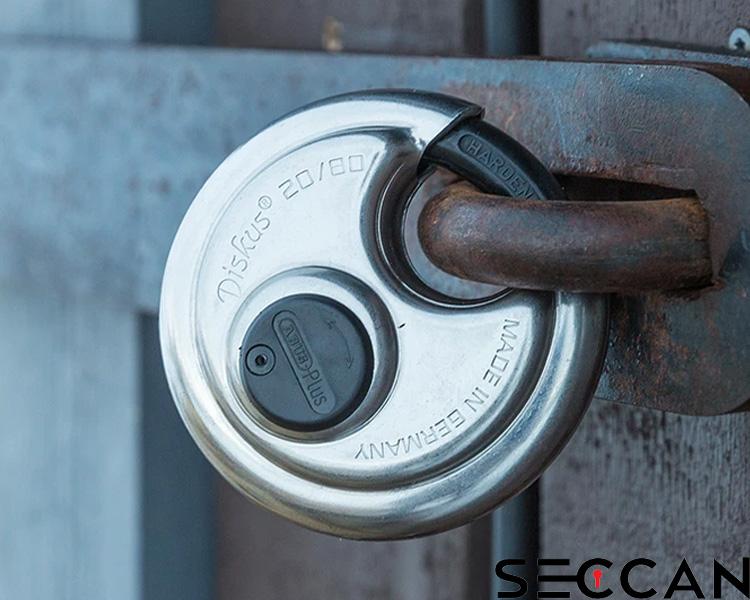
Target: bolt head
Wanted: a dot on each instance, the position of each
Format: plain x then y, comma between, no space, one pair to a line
739,39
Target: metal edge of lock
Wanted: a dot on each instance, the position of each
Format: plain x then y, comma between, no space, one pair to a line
305,478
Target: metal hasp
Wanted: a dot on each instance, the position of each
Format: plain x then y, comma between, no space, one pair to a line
670,125
628,246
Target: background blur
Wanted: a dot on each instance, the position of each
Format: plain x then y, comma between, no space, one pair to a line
102,493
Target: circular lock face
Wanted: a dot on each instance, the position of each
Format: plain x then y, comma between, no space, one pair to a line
320,373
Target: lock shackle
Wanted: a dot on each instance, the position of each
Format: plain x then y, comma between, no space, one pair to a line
490,160
523,242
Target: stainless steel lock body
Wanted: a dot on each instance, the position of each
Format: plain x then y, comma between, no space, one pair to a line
463,404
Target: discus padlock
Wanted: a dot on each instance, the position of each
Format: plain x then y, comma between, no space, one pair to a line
321,372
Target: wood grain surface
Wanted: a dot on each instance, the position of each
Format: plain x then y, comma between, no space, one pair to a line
636,482
444,27
568,27
69,413
265,556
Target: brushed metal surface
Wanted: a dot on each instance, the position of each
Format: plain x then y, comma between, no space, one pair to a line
468,403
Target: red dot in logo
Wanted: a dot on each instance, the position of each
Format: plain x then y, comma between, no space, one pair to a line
597,573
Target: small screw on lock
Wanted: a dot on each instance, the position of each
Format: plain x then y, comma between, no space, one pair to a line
260,360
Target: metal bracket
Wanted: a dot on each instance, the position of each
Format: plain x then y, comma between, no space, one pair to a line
680,126
682,351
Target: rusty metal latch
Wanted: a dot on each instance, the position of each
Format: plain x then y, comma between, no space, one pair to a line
660,123
579,246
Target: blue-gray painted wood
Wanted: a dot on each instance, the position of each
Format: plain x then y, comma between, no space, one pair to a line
69,412
69,419
71,19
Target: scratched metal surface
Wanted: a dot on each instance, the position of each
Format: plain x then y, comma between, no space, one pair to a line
568,27
638,482
139,130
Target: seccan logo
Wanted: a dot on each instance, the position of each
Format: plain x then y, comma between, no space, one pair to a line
601,578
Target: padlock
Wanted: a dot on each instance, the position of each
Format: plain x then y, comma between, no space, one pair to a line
320,372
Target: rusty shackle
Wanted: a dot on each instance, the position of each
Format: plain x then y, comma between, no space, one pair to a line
581,246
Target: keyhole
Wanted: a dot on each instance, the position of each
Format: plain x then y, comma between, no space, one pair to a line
597,578
260,360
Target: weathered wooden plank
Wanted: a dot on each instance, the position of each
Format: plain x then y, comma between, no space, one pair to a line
568,27
107,146
69,415
444,27
261,555
637,482
177,491
72,19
